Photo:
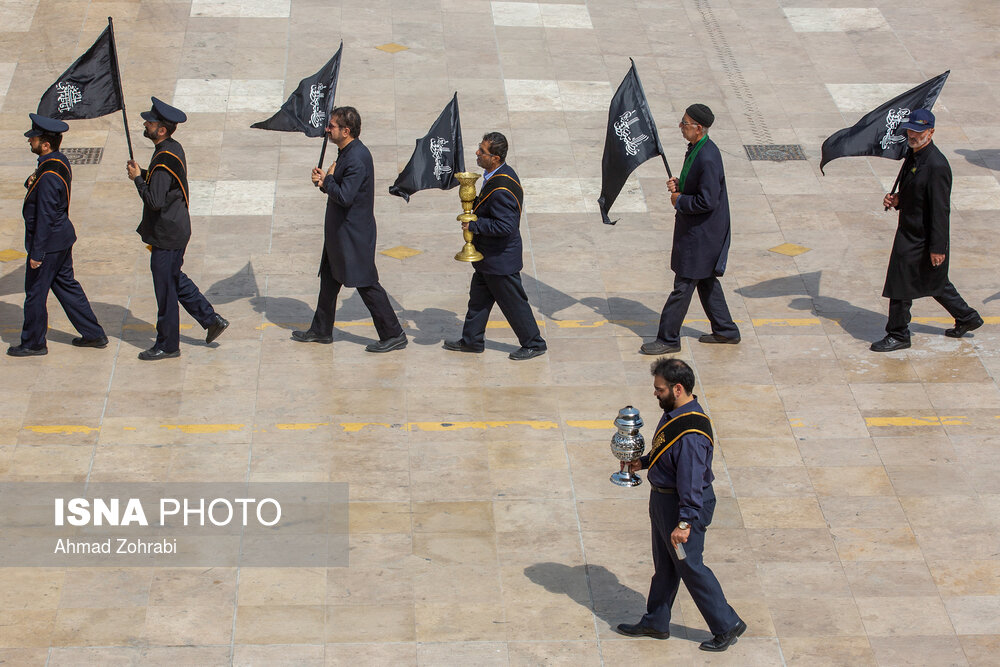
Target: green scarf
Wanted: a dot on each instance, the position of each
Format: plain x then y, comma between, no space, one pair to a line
688,161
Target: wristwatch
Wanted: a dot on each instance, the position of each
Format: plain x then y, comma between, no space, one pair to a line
683,525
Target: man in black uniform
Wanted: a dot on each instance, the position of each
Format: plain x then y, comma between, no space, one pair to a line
166,227
349,238
681,505
918,265
497,277
701,239
48,240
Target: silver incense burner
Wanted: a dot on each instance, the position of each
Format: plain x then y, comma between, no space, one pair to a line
627,445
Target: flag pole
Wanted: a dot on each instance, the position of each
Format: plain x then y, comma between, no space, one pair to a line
669,175
118,86
899,176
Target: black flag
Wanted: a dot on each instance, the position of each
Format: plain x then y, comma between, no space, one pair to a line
308,109
630,141
875,134
89,88
437,157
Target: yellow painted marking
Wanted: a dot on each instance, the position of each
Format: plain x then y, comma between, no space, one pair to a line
790,249
354,427
392,47
306,426
796,423
202,428
503,324
401,252
305,325
10,255
150,327
786,321
951,321
128,428
62,428
591,423
916,421
579,324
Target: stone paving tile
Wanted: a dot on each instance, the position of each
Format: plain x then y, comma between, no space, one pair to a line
483,528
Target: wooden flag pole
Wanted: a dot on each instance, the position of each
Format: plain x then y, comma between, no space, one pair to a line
899,176
118,86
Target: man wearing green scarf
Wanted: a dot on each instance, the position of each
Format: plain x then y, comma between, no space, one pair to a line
701,239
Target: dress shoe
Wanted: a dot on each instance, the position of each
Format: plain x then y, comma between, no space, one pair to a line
523,353
22,351
155,354
310,336
658,347
721,642
215,329
640,630
962,329
90,342
460,346
889,344
389,344
716,338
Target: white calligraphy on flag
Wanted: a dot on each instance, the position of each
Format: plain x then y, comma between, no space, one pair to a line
439,146
318,117
624,131
892,121
69,95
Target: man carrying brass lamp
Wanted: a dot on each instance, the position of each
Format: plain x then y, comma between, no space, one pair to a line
497,276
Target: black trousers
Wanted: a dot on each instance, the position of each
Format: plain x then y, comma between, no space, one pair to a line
898,325
171,286
375,298
55,274
713,301
664,514
507,291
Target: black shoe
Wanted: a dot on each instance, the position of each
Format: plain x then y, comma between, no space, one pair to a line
310,336
215,329
716,338
22,351
460,346
389,344
962,329
657,347
889,344
640,630
721,642
523,353
101,342
155,354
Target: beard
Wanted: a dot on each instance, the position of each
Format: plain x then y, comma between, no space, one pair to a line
145,133
37,150
668,402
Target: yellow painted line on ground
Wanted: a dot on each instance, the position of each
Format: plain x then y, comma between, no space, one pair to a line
796,422
305,426
62,428
354,427
916,421
950,320
150,327
591,423
202,428
786,321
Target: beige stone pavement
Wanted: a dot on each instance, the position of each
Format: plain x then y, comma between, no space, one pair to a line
858,519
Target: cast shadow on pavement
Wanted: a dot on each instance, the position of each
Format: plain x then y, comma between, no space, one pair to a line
598,589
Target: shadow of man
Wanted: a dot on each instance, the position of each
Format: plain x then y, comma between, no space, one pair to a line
598,589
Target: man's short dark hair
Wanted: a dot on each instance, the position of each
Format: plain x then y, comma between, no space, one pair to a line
53,140
497,144
348,117
674,371
168,126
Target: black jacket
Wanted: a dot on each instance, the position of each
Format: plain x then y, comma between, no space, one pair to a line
47,227
701,222
166,222
350,234
924,211
497,231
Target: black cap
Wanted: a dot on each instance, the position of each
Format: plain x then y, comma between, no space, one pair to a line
44,125
701,114
162,111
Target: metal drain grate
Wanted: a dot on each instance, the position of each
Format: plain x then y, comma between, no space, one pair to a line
774,152
84,155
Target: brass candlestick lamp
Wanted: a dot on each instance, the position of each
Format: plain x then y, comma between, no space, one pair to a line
467,193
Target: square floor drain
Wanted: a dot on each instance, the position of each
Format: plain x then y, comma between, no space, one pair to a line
774,152
84,155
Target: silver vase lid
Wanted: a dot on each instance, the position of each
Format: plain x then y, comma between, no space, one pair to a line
628,419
